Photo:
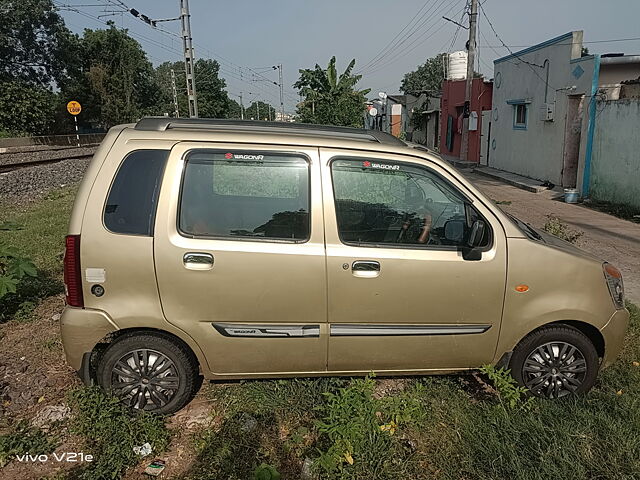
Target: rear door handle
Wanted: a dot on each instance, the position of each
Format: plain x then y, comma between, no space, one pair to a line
198,261
365,268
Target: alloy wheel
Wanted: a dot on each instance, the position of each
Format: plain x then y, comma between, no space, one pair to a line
145,379
554,370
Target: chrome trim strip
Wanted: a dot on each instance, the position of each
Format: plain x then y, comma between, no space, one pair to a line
351,329
267,331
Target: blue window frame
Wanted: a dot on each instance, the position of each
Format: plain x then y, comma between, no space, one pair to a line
520,113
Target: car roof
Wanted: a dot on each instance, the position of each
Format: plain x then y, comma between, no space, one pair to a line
162,124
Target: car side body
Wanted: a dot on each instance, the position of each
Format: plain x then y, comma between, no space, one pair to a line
312,291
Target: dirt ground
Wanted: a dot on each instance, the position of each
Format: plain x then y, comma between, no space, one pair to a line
610,238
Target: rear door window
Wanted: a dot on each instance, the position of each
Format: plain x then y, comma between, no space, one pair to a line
245,195
132,200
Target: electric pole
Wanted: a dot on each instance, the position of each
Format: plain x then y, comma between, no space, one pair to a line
176,111
241,108
187,46
281,85
473,16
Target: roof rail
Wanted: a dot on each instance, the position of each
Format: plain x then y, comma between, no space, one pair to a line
160,124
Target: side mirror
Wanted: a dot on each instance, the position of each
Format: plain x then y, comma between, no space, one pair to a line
471,251
454,231
477,234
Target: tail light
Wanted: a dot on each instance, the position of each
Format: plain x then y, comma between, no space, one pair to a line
72,273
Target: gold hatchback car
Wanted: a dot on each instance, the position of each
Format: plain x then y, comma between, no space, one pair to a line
223,249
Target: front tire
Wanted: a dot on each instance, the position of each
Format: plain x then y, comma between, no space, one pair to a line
149,372
555,362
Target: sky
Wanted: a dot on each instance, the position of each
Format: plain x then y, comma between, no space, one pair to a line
388,39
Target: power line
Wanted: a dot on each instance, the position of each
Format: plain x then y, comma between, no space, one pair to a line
415,44
402,41
397,35
529,64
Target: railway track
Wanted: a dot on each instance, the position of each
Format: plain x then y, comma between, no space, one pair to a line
9,167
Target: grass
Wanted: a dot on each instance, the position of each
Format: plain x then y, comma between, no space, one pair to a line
23,439
449,427
109,431
432,427
37,230
620,210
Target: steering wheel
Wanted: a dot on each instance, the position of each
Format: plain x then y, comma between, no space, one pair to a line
425,230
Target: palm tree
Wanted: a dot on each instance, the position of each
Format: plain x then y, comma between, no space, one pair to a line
330,98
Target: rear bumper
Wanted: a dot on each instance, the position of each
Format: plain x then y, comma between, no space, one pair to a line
613,333
81,330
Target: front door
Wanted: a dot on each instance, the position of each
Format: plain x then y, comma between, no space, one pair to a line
401,295
239,254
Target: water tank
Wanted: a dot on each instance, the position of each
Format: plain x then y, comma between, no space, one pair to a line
457,66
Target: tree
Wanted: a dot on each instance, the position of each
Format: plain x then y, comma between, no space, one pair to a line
213,100
426,78
116,83
331,99
36,48
260,111
37,54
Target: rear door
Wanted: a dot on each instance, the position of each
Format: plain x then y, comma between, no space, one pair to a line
239,254
402,297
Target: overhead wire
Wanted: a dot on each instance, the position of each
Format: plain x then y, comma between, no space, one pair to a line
417,28
416,43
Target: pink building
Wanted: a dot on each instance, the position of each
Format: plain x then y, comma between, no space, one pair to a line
452,106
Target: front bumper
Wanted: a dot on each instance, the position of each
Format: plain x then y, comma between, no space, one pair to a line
613,333
81,330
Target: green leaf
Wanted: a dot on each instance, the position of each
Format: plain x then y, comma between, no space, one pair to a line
20,267
7,285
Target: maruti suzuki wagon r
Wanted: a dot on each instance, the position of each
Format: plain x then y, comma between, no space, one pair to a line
223,249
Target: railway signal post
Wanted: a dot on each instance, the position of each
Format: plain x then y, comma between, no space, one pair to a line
74,108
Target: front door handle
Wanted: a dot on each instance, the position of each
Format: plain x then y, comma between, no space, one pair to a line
365,268
198,261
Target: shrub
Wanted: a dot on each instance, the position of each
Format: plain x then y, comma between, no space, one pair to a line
13,269
561,230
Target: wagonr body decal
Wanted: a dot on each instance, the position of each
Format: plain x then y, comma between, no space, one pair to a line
244,330
349,330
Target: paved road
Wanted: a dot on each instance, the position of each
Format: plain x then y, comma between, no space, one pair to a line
608,237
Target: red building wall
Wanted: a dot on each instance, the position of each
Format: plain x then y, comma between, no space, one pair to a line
452,104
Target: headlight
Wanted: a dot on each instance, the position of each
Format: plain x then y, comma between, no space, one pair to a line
614,282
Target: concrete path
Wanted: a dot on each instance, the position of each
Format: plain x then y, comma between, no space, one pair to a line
610,238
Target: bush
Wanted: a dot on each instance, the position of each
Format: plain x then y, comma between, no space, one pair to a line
561,230
13,268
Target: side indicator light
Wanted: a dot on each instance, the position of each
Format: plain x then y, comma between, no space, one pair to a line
522,288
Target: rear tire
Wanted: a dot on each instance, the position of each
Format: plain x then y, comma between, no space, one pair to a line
555,362
149,372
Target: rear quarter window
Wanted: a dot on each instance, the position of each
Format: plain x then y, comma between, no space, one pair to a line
131,204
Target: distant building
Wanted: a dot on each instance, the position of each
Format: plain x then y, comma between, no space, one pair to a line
451,117
286,118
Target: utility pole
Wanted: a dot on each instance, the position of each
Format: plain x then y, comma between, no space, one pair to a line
473,16
241,108
176,112
187,46
258,110
281,85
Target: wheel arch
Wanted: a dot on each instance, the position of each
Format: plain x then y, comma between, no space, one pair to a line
91,359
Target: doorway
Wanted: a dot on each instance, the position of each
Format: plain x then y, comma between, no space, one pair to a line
572,134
